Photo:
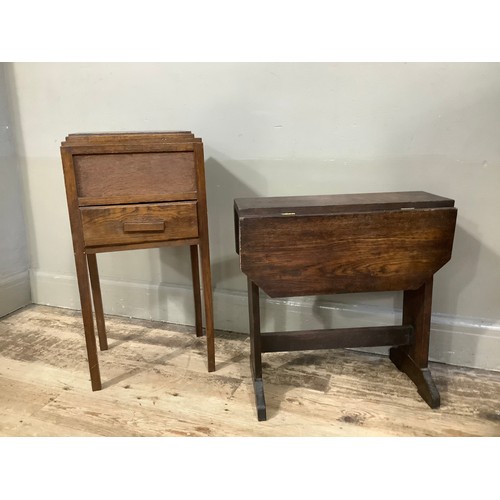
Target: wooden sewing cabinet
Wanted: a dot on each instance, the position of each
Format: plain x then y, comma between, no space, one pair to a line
130,191
316,245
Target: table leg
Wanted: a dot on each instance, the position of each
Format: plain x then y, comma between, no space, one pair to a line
413,359
96,295
195,271
207,293
255,349
88,320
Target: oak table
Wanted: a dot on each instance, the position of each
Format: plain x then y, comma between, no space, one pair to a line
129,191
371,242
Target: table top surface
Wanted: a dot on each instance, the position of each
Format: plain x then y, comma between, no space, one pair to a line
338,203
315,245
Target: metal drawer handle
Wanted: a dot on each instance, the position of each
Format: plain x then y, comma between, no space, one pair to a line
140,226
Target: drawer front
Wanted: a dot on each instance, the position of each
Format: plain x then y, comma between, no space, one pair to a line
127,224
106,179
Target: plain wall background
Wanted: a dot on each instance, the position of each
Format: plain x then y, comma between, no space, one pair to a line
278,129
14,260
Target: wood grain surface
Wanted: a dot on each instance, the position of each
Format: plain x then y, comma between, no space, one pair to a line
119,176
345,252
119,224
338,203
155,383
115,183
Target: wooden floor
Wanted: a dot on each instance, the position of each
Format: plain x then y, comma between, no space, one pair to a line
156,384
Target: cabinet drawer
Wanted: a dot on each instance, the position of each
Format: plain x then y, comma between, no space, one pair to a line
126,224
108,179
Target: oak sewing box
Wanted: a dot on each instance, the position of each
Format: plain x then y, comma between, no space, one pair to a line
129,191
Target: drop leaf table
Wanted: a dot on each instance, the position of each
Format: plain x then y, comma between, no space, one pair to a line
327,244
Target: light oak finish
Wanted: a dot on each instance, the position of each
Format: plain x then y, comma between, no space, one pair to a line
120,176
157,385
130,191
123,224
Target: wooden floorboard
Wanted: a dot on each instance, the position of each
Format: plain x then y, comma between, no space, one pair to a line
155,383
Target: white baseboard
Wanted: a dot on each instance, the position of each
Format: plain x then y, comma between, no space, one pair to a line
14,292
454,340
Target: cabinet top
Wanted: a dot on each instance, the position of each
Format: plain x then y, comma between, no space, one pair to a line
116,138
338,203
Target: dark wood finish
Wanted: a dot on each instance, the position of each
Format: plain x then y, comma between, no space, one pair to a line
413,358
328,204
336,338
339,253
295,246
135,190
421,377
417,306
256,349
338,203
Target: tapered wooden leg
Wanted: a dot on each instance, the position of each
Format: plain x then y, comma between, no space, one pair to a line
207,294
195,271
96,295
88,320
413,359
255,349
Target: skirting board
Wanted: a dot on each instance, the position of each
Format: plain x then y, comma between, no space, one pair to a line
455,341
14,292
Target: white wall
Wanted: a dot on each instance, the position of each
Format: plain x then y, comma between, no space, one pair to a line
14,262
278,129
